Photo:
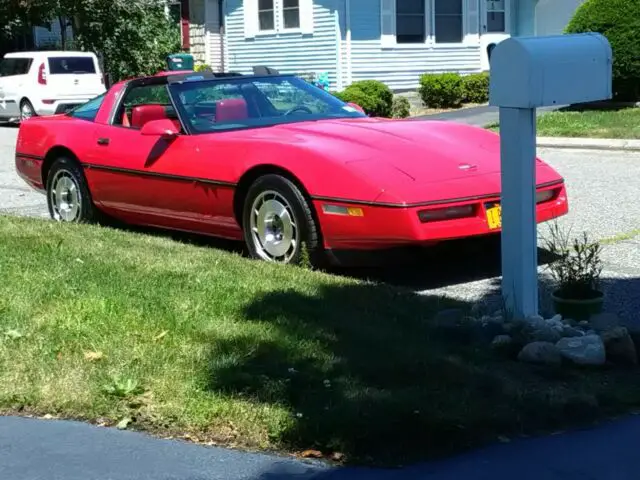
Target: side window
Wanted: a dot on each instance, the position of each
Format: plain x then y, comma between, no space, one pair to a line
218,102
89,110
145,103
285,97
15,66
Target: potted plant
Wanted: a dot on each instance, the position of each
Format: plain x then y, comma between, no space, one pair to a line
576,269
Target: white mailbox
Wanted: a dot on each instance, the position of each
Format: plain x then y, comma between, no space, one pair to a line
532,72
527,73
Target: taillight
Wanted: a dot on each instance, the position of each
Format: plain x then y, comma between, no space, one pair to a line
545,195
42,75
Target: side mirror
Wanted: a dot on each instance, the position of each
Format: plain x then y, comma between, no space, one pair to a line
164,128
356,106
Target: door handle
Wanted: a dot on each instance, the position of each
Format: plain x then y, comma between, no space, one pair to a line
103,141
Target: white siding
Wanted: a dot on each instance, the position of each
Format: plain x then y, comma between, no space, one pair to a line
196,30
213,35
286,52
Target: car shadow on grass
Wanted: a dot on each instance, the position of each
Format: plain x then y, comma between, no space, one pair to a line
449,263
362,371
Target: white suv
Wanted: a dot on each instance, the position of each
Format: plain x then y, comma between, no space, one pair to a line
47,82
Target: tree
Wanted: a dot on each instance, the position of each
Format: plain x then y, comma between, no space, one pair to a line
619,21
133,37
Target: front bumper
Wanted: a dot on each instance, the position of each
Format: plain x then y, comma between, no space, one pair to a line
379,227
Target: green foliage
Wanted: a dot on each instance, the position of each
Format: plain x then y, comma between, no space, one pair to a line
401,107
133,37
579,263
374,96
122,387
441,90
476,88
358,97
619,21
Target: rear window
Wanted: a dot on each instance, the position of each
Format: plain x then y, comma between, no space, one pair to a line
69,65
15,66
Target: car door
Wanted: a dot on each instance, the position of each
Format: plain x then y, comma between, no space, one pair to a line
146,179
13,73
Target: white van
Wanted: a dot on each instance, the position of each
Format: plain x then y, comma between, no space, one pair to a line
47,82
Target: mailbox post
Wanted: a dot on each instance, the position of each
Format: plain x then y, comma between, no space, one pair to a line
527,73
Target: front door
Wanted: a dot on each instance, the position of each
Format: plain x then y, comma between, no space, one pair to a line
495,26
145,179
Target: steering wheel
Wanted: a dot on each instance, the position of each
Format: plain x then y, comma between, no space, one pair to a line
301,108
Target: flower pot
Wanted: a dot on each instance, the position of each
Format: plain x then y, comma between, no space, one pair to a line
578,309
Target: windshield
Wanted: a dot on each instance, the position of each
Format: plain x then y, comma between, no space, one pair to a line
249,102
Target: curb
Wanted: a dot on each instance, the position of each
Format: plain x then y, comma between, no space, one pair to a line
589,143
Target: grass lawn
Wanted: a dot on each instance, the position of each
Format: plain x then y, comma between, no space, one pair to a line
183,340
623,123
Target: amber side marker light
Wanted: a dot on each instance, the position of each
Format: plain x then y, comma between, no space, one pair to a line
340,210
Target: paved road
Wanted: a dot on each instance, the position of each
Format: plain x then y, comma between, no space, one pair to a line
55,450
15,195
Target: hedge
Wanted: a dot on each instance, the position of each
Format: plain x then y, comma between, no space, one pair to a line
619,21
373,96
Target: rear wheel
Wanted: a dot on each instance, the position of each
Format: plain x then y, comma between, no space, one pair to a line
278,222
26,110
68,195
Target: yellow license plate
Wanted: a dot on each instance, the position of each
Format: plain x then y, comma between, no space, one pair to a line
494,217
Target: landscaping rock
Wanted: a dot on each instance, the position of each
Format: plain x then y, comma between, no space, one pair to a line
546,333
587,350
502,343
569,332
485,330
540,352
602,322
619,346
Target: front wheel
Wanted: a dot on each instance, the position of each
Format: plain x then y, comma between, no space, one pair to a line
277,221
68,196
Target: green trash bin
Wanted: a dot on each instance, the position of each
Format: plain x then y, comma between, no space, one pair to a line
180,61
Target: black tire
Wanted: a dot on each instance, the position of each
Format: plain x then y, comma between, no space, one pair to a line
308,232
69,169
28,104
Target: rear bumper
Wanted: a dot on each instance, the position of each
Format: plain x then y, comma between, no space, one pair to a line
379,227
29,168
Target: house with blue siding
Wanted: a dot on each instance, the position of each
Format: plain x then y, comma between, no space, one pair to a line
394,41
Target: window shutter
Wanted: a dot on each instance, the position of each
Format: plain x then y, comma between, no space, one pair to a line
473,17
306,16
388,23
250,18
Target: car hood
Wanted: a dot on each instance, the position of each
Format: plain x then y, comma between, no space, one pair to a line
423,151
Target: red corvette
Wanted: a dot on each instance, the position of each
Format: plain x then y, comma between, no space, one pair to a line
271,160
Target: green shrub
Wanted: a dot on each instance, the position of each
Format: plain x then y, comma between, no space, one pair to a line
401,107
476,88
619,21
358,97
441,90
380,95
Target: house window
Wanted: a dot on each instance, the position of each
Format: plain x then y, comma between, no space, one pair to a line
291,13
266,15
448,21
496,16
410,21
